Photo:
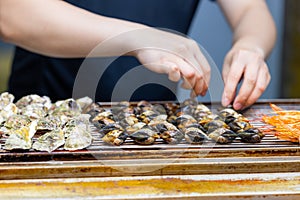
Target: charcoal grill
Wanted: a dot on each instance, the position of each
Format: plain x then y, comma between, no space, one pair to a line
270,168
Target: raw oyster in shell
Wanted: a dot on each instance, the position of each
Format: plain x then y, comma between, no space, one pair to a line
67,107
50,141
78,133
21,138
79,138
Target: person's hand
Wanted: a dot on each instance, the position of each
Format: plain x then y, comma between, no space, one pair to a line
250,67
175,55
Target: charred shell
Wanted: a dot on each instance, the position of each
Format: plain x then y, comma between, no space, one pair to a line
115,137
195,136
252,135
222,135
144,136
215,124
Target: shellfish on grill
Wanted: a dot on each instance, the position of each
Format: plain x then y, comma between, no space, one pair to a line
34,99
115,137
194,135
167,131
6,99
21,138
50,141
251,135
79,138
68,107
7,111
144,136
135,127
222,135
103,118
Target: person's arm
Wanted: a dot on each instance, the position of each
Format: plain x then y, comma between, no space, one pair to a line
56,28
254,35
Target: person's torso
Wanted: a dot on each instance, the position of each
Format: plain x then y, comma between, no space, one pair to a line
33,73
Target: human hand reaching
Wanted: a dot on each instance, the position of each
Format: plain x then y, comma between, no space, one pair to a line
249,66
174,55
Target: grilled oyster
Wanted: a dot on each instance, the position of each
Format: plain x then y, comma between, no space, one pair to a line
144,136
147,116
239,126
215,124
110,127
184,120
228,115
79,138
7,111
251,135
15,122
144,106
50,123
34,111
84,103
135,127
167,131
50,141
103,118
222,135
201,111
195,135
115,137
129,120
68,107
34,99
6,99
21,138
81,121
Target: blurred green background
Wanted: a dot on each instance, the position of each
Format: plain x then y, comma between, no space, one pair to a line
5,63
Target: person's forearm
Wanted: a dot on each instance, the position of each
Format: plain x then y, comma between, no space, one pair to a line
259,35
56,28
254,29
254,36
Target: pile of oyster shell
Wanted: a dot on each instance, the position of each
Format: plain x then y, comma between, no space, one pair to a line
52,124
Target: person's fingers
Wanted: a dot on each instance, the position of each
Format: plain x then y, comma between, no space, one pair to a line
262,83
249,82
192,75
206,70
233,78
172,71
226,66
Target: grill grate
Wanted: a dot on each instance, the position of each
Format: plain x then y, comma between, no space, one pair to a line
268,144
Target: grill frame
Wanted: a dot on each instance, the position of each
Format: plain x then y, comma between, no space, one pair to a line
271,155
267,169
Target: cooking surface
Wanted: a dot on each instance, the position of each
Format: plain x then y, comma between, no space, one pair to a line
269,145
269,169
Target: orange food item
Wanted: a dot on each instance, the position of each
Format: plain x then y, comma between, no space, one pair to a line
286,123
